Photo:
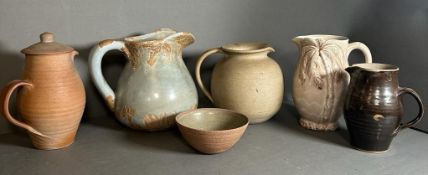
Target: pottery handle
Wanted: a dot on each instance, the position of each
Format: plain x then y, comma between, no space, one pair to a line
5,98
401,91
198,71
363,48
95,59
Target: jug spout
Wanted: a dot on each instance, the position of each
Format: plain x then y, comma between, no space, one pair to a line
74,54
297,40
183,39
351,69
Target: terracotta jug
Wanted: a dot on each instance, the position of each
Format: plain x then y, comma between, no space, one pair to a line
155,84
373,107
246,80
51,99
320,80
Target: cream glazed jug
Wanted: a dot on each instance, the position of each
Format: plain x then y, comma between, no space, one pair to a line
320,80
155,84
246,80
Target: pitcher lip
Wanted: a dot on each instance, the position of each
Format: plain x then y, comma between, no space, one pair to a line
162,36
247,47
157,36
376,67
322,36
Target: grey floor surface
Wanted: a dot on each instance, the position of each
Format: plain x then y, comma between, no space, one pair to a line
278,146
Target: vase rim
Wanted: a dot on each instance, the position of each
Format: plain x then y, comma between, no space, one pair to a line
247,47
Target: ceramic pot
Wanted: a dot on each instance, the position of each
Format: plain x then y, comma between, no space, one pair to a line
320,81
51,98
155,84
373,107
246,80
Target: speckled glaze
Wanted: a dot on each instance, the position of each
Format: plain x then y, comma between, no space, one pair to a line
373,106
155,84
51,96
320,81
246,80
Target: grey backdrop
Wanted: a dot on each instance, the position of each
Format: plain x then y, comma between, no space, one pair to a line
396,31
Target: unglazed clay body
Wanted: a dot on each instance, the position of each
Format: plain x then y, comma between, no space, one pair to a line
52,98
155,84
320,81
246,80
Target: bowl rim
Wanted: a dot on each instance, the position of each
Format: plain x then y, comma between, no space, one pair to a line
182,114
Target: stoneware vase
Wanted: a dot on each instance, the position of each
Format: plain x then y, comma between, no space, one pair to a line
373,107
320,80
51,96
246,80
155,84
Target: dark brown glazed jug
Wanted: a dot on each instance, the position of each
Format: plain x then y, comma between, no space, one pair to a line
373,107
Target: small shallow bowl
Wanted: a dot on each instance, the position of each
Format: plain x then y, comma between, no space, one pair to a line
211,130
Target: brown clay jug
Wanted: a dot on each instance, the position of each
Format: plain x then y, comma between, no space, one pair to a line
373,106
51,96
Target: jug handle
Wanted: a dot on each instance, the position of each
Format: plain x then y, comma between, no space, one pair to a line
363,48
198,70
404,90
5,98
95,59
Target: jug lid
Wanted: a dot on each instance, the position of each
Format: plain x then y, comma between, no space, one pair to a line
47,45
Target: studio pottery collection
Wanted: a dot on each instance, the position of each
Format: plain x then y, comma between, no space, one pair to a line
155,90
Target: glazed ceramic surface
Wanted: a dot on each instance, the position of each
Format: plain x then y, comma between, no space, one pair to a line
320,81
155,84
51,99
246,80
373,106
211,130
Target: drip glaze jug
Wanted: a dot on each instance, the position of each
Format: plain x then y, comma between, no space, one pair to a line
155,84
